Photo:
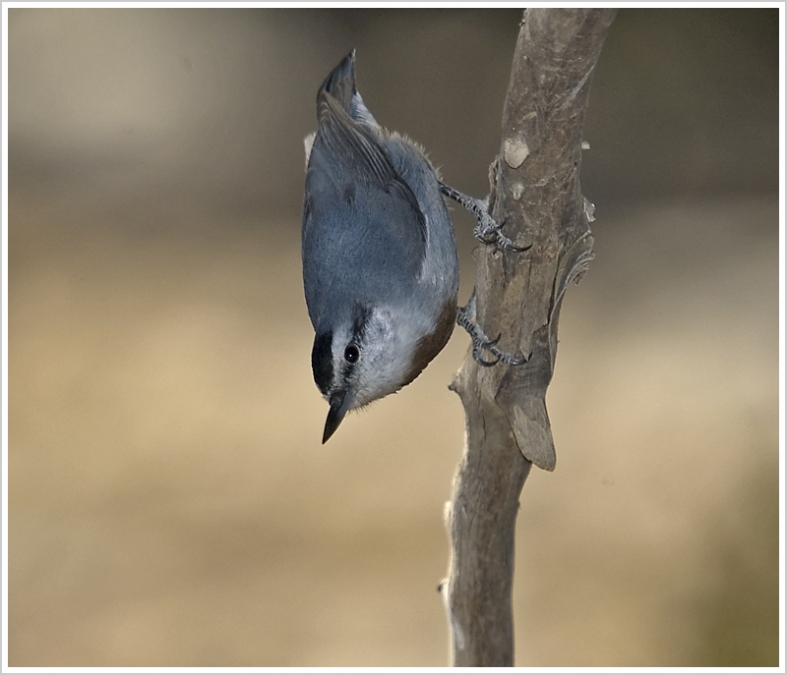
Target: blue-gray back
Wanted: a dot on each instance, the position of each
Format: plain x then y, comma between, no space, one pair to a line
364,234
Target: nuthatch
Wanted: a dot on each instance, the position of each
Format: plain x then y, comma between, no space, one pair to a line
380,268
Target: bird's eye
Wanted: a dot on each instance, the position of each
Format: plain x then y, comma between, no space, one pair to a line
351,354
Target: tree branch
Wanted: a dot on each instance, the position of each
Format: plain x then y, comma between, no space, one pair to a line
535,192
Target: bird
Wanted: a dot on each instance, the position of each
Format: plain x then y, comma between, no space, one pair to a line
380,266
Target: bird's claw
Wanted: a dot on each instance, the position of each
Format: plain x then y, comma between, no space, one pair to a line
486,230
481,343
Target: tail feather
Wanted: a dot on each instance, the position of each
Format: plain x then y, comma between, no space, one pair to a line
340,85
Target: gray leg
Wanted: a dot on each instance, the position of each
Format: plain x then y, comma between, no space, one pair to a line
486,229
465,317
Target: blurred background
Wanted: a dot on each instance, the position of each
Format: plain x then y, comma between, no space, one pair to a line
170,503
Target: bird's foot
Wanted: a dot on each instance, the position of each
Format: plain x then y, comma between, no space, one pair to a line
486,230
465,317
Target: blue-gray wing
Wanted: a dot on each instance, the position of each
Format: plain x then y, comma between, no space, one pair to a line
364,234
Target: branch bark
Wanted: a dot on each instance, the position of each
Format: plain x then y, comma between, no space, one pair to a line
535,191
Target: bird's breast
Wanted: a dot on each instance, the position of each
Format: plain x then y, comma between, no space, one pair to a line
433,342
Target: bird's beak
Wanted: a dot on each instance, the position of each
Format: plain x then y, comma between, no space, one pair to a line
340,404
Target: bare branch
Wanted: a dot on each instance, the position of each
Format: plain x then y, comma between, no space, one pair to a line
535,193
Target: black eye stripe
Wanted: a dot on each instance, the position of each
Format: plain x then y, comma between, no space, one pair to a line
322,361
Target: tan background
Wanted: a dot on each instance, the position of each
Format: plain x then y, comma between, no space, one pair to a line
170,502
